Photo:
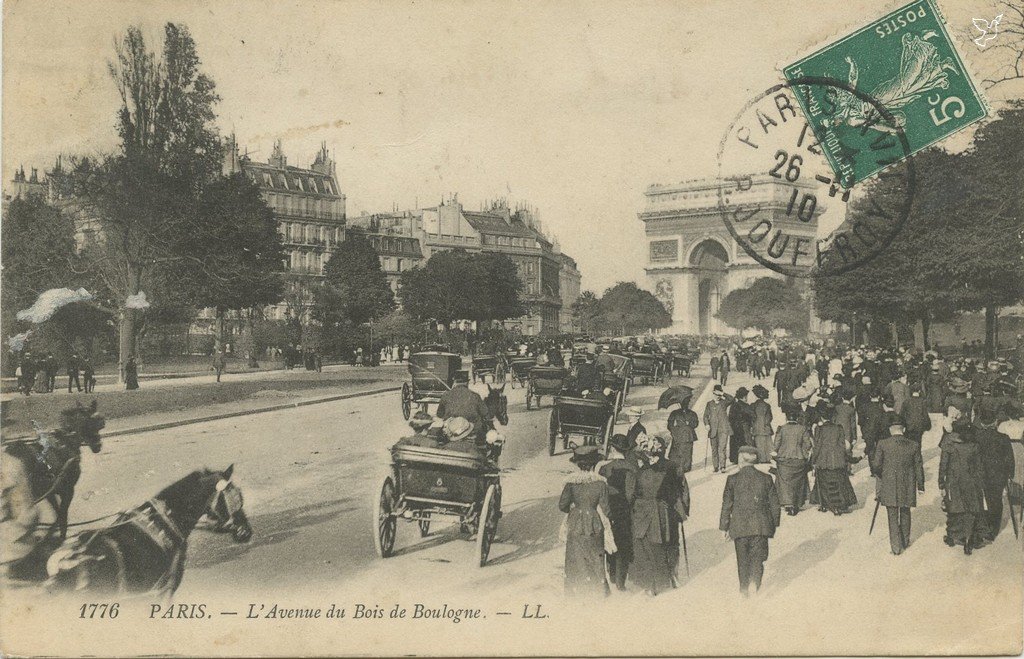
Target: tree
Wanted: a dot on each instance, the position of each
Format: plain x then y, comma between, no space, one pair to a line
767,304
37,247
585,311
457,285
626,309
355,289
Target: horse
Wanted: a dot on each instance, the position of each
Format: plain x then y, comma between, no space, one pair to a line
44,469
143,550
497,404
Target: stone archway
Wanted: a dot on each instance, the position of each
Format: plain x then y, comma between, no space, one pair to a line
710,262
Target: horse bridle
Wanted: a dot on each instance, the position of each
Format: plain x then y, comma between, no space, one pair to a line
225,491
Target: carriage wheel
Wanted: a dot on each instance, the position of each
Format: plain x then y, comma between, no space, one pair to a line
487,527
424,525
499,373
552,431
529,395
407,400
385,523
608,435
618,404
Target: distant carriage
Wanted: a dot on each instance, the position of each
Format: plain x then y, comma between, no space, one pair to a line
544,381
492,365
618,379
426,483
592,421
519,370
433,373
580,351
647,367
681,363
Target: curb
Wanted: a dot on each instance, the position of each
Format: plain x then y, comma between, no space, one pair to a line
259,410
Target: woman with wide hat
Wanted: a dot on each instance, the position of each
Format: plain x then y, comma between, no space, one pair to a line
762,427
660,501
792,449
585,499
832,489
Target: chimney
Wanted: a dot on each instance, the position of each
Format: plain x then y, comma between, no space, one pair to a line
35,176
277,158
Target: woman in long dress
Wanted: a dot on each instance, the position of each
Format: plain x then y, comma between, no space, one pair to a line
792,449
961,481
832,489
131,374
585,499
660,501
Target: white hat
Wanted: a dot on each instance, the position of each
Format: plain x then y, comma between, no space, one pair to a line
635,411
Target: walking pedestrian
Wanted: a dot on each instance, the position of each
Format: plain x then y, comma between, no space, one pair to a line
635,427
741,419
897,461
716,363
724,367
832,489
846,417
88,375
620,461
792,450
218,363
74,369
762,426
716,420
998,466
51,373
750,514
131,374
962,483
682,424
585,500
660,501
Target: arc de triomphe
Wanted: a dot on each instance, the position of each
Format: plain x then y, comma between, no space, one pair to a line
692,259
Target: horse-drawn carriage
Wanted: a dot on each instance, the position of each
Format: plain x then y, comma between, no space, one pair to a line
426,483
433,373
544,381
647,367
492,365
519,370
618,379
682,362
580,351
593,420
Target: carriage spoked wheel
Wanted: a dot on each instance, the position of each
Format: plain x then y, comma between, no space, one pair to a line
424,525
529,395
552,432
385,523
490,513
406,400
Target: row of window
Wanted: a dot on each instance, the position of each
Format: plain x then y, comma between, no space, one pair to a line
289,204
297,232
311,262
295,182
509,241
407,246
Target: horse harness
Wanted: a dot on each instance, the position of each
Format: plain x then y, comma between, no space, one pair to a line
49,460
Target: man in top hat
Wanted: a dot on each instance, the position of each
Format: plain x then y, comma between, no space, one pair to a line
741,418
998,466
461,401
635,427
897,461
762,426
872,423
588,376
750,514
716,420
682,424
725,365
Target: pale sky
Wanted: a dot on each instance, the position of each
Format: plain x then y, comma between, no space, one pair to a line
574,107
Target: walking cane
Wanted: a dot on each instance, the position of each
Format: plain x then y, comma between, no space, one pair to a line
686,556
874,516
1013,516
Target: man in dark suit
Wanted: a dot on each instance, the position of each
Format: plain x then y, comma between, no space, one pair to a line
873,424
725,365
998,467
897,460
461,401
750,514
915,415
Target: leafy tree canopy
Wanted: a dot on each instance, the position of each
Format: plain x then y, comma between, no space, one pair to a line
355,289
767,304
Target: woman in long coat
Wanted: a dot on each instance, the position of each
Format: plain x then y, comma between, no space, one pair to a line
792,449
962,483
131,374
585,499
660,502
620,461
832,489
762,427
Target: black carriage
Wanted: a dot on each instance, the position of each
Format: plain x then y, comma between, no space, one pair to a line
579,353
492,365
544,381
647,367
618,379
681,363
427,483
433,373
519,370
591,420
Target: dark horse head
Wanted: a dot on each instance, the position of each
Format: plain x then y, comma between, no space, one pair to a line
83,425
497,404
225,507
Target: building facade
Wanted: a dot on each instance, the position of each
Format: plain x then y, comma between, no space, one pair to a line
310,211
569,284
692,259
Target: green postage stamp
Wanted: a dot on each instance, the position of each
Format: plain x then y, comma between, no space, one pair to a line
904,62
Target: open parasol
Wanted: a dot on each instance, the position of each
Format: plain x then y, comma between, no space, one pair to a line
678,394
